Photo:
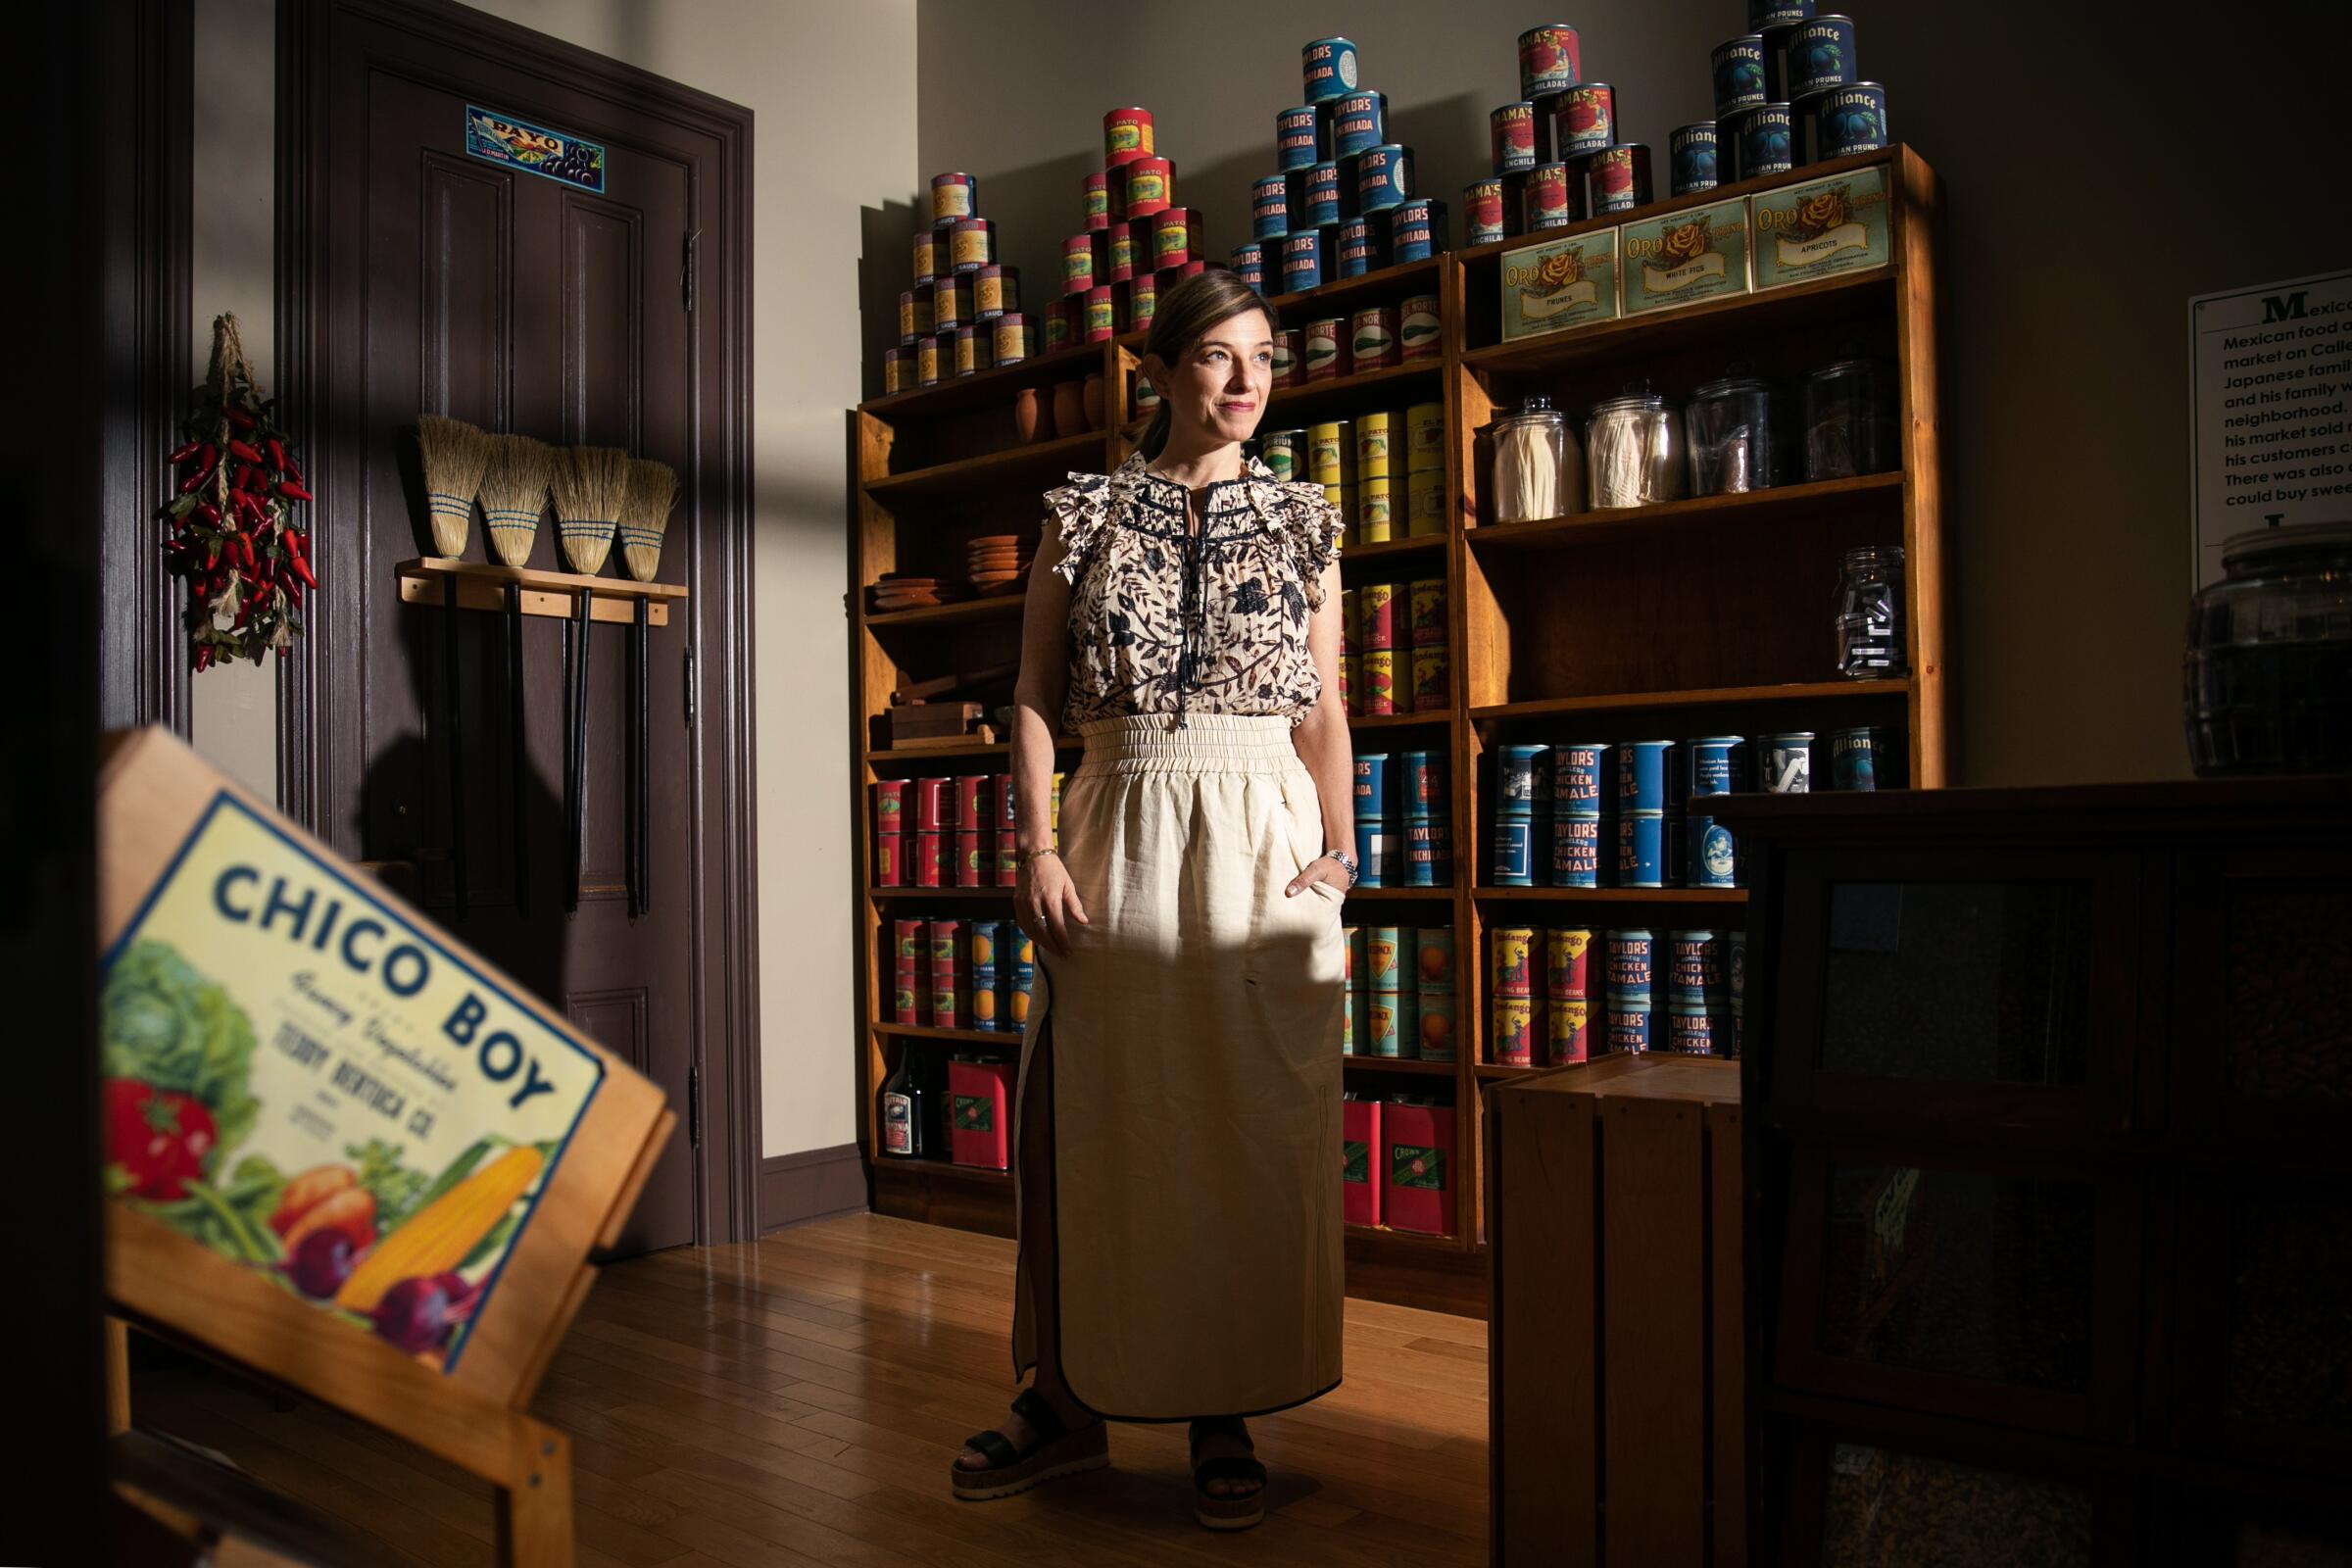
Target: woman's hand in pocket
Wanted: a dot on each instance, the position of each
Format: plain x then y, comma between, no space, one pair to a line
1323,870
1044,904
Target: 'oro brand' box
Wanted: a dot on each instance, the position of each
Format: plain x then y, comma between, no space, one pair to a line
1558,283
1359,1177
1682,258
1820,229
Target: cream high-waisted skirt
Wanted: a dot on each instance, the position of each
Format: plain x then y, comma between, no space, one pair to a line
1193,1032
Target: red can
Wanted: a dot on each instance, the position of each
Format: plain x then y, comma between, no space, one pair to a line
1176,237
886,859
1009,858
934,806
889,804
1126,136
1151,187
1101,315
1083,259
1376,616
926,858
1372,341
1554,197
1517,138
1584,120
1567,963
968,869
1483,212
972,803
1170,276
1122,251
1096,189
1619,176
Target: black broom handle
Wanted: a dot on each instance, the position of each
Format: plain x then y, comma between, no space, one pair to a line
456,746
571,663
519,740
645,770
579,748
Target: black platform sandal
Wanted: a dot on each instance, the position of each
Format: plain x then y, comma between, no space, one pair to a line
1226,1513
1058,1451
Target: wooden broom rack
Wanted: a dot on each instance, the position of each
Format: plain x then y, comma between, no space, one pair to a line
483,586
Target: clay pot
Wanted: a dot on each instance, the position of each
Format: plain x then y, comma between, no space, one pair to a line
1093,402
1069,408
1025,415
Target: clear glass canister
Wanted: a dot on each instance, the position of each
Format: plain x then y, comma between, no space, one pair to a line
1849,420
1634,451
1536,469
1870,613
1735,436
2267,680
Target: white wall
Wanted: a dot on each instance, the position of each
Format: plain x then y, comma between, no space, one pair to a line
833,133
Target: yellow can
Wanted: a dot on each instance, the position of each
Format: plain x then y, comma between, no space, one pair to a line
1381,1014
1430,668
1513,1042
1565,1025
1509,947
1375,523
1375,615
1425,438
1425,501
1377,666
1330,453
1372,444
1426,601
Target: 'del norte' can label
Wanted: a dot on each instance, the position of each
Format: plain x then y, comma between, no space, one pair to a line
1419,330
1290,363
1550,60
1326,351
1585,120
1297,138
1374,340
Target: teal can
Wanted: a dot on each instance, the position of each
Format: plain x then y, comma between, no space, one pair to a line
1328,67
1383,177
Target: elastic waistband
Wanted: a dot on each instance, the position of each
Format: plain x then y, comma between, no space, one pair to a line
1208,743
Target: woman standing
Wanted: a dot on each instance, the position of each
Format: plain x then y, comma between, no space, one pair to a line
1178,1170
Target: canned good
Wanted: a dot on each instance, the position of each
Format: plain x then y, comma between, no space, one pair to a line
1248,264
1363,247
1514,846
1425,599
914,316
954,198
930,255
1381,1011
1008,339
1317,200
1482,213
1584,120
1425,438
1627,950
1518,138
1734,966
1714,854
996,292
1640,850
1576,777
1821,55
1567,959
925,852
1550,60
1119,241
970,869
1297,138
1331,452
1101,317
1420,329
1433,1026
1126,136
1417,230
1176,237
1762,13
1383,951
1150,186
1552,198
1270,207
1619,177
888,862
898,371
1096,191
973,346
1513,1040
1421,783
1379,667
1718,766
1356,118
951,303
1785,762
1690,159
1515,780
1143,303
1372,845
1008,857
1302,261
1375,514
1739,65
1351,683
1566,1031
1868,759
1284,453
1432,679
1693,967
1375,443
1062,325
1764,145
1432,967
1326,355
1376,625
1425,501
1373,341
1428,852
1328,65
1648,775
1629,1025
1842,120
927,369
1698,1032
971,244
1575,851
1383,177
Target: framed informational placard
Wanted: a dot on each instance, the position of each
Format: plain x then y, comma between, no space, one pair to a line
2269,411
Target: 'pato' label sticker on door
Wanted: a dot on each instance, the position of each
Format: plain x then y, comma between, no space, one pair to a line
534,149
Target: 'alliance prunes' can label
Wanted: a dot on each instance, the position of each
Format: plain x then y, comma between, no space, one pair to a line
1302,261
1550,60
1326,349
953,197
1762,13
1419,327
1583,120
1383,177
930,255
1518,137
1150,186
1126,136
995,291
1297,138
1821,55
1318,203
1356,118
1416,229
1553,197
1270,207
1842,120
1620,178
1363,246
1739,72
1765,142
972,244
1328,67
1690,159
1482,213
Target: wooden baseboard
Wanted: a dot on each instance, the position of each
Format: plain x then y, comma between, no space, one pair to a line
815,1184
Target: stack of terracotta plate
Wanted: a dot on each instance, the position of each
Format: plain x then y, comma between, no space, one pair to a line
899,591
997,562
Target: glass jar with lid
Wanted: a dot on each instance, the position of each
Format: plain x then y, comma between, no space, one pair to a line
1737,439
1870,613
1534,469
1849,420
1634,450
2266,678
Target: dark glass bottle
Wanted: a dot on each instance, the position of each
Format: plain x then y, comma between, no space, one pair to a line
899,1108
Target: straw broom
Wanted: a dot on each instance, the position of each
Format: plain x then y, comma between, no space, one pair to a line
513,493
653,489
454,454
590,485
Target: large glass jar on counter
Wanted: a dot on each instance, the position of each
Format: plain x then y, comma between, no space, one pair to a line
1535,469
1735,437
1870,613
2267,679
1849,420
1634,450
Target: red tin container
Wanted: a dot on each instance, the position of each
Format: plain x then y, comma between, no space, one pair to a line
1290,358
1483,209
1326,349
1096,191
1376,616
1121,240
1151,187
926,860
1511,1041
1175,237
1061,322
1379,669
1567,963
972,244
1359,1157
1101,315
1372,341
1518,138
1170,276
972,803
1008,860
887,866
1126,136
930,254
1134,301
1431,667
1085,261
1417,1170
971,871
1584,120
1567,1031
996,292
889,804
934,806
1001,797
1619,177
954,198
1552,198
980,1113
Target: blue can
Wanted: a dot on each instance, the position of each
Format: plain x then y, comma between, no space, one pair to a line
1576,850
1766,143
1428,852
1372,784
1515,780
1372,844
1328,65
1363,246
1785,762
1641,850
1297,137
1714,856
1315,201
1302,261
1690,155
1821,55
1249,265
1514,851
1718,766
1357,122
1840,122
1647,775
1630,970
1694,969
1417,229
1421,783
1762,13
1628,1024
1698,1032
1383,177
1270,207
1868,758
1735,968
1739,72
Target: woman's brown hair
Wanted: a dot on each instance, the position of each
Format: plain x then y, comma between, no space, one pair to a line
1182,319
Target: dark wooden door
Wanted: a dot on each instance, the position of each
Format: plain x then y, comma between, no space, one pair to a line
517,302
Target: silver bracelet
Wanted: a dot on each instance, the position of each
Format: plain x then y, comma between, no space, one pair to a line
1347,863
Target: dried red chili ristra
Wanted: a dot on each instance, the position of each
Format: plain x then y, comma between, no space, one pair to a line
238,416
245,451
292,491
186,453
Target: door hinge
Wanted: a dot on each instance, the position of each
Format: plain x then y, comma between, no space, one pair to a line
686,271
694,1108
690,686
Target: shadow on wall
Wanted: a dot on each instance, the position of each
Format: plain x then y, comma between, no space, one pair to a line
885,271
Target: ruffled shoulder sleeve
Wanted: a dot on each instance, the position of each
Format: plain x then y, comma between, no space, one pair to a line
1081,510
1310,526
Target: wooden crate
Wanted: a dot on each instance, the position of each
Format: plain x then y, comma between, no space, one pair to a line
1615,1372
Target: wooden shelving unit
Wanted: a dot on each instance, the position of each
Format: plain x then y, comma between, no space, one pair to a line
1693,617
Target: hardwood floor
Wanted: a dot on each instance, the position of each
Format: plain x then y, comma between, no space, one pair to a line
797,1401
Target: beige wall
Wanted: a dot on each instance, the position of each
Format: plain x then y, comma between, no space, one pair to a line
2103,164
833,133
